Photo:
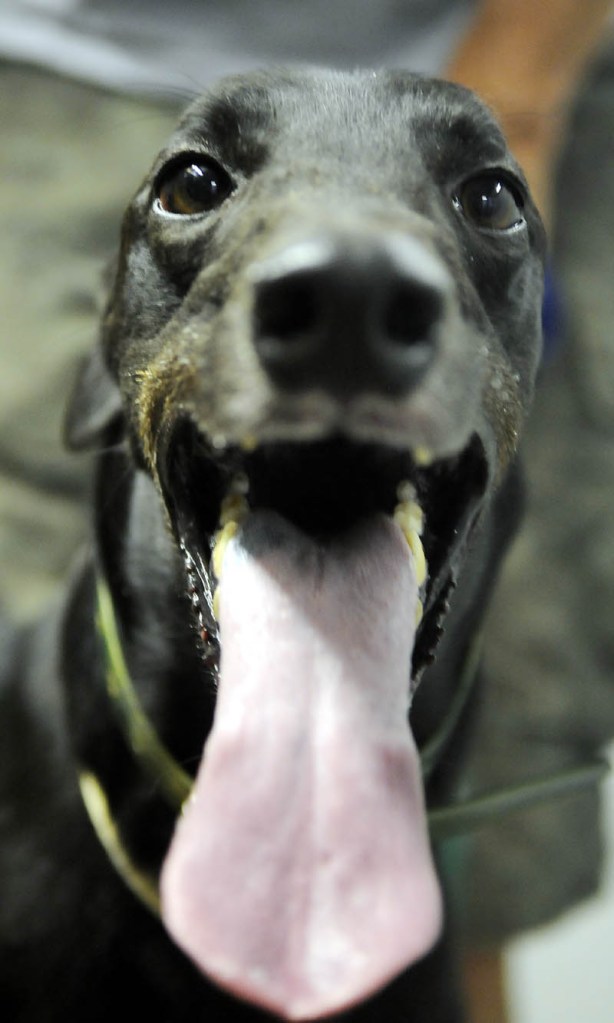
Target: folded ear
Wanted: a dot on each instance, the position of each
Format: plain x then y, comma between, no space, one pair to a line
94,407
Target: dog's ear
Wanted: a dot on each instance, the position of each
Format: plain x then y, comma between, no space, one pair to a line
94,408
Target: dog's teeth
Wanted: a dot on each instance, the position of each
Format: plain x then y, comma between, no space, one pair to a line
423,457
420,567
234,508
419,612
406,491
233,512
222,539
215,606
410,517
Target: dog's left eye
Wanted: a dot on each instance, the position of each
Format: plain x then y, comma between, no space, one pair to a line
194,186
490,202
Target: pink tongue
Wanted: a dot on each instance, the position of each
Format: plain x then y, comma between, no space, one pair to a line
300,875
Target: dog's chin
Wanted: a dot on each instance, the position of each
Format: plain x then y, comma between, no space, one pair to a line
323,488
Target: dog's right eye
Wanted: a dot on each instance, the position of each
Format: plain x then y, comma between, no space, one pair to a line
196,185
490,201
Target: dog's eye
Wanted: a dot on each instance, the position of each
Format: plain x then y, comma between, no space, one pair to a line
195,186
488,201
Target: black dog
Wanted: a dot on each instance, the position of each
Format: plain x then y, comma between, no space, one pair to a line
322,334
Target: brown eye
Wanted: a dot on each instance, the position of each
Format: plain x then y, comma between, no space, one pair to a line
488,201
196,185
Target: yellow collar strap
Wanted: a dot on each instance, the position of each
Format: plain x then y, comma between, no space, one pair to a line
150,752
143,884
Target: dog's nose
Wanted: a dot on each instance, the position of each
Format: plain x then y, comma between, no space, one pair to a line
350,315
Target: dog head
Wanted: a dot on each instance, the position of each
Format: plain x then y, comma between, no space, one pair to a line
322,272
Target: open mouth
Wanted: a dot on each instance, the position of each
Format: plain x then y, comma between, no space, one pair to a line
310,785
323,488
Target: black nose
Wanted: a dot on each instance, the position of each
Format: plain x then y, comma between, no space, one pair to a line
350,315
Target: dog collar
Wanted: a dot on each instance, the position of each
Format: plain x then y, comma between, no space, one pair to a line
148,749
141,882
175,785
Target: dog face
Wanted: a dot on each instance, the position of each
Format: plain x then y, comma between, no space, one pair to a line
326,272
326,310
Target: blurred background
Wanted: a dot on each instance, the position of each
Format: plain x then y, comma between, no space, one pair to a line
88,92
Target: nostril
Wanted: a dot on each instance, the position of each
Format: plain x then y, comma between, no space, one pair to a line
411,313
287,308
349,314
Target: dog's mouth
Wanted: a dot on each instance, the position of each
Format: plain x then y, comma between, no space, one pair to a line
323,488
300,875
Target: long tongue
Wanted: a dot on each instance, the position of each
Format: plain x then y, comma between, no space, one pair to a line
300,876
